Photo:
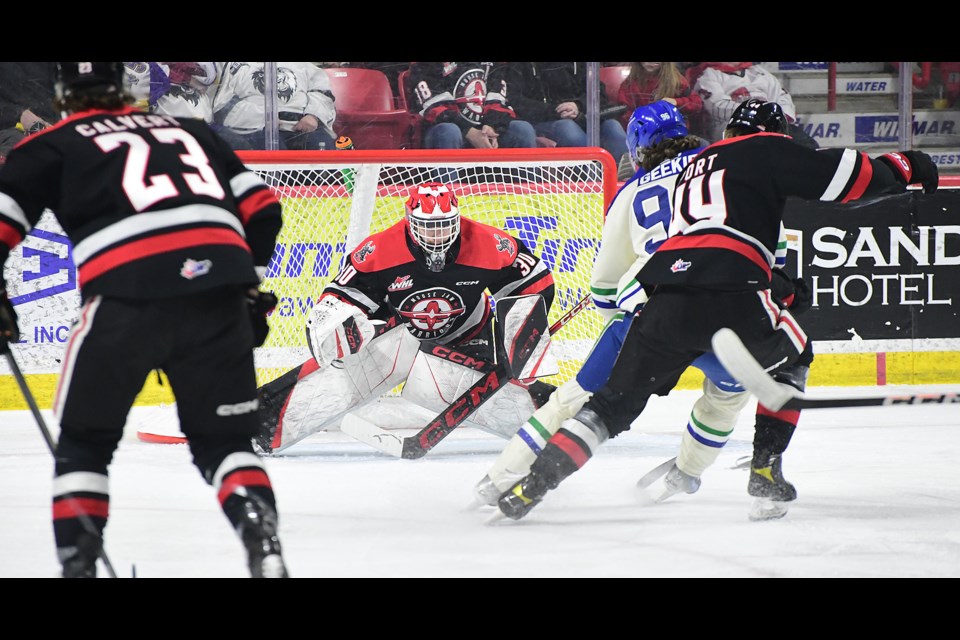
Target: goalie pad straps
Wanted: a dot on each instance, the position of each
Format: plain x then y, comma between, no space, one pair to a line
523,332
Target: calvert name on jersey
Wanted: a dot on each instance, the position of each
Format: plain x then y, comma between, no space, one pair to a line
159,206
386,275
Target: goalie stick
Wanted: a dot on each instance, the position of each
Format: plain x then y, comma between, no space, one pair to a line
739,362
417,445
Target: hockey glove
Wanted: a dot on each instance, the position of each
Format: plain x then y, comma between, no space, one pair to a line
793,293
802,296
8,323
336,329
260,304
914,167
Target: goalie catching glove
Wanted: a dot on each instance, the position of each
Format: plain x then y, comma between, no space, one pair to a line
336,329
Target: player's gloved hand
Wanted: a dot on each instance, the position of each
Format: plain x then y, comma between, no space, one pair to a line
914,167
336,329
9,332
924,170
260,304
802,296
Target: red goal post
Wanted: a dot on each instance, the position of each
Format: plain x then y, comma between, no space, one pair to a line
553,199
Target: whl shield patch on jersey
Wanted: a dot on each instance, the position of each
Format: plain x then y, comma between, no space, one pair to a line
523,331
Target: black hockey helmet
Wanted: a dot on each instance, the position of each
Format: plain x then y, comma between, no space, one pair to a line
98,78
757,116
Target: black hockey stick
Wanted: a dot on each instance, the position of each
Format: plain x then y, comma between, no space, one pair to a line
417,445
81,515
738,361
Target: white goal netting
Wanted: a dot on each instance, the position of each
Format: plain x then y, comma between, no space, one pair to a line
552,199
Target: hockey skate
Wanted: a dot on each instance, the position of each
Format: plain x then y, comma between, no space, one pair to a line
676,481
258,531
81,561
485,494
772,492
517,501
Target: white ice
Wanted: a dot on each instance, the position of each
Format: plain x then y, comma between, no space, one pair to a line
879,496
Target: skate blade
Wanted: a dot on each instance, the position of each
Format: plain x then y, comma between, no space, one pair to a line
476,505
495,518
767,509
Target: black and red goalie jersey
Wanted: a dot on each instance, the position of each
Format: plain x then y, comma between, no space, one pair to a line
436,270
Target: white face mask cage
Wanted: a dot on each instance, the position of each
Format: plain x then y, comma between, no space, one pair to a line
435,234
434,221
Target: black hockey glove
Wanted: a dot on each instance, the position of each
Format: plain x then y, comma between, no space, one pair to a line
8,323
793,293
918,168
260,304
802,296
924,170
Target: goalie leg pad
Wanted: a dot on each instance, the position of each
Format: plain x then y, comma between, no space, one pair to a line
321,399
435,383
711,423
523,331
526,444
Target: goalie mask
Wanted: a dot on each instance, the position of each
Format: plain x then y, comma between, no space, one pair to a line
433,220
651,124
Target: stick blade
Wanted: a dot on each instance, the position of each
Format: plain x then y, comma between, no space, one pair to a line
738,361
370,434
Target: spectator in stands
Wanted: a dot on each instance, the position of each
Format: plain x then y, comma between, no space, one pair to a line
649,82
553,96
463,104
305,104
724,85
26,99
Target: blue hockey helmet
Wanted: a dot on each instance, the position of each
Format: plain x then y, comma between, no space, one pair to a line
651,124
757,116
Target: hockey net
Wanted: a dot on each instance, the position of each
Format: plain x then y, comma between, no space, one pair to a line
552,199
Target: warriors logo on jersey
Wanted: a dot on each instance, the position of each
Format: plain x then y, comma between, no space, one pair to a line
470,91
364,251
429,314
504,244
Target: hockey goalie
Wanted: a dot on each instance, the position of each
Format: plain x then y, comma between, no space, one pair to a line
412,306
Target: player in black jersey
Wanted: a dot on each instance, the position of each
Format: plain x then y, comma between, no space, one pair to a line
713,272
430,277
169,230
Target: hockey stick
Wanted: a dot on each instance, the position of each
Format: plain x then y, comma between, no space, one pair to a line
738,361
417,445
81,515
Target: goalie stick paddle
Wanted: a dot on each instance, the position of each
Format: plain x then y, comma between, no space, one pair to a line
82,516
417,445
738,361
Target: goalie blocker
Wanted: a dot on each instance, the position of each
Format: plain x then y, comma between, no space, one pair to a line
357,362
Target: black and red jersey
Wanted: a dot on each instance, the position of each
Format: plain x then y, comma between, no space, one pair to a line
154,206
386,274
727,214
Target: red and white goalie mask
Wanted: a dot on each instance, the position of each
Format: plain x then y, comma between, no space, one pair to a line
433,219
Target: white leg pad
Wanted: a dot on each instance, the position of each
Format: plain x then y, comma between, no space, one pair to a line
711,423
320,400
435,383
